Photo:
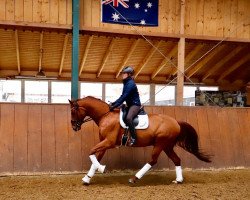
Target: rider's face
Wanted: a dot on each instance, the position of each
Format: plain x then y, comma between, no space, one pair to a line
124,75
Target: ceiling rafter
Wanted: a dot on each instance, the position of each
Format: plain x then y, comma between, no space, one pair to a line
236,65
222,62
105,58
86,53
125,59
205,60
17,52
148,57
40,52
189,57
172,52
65,43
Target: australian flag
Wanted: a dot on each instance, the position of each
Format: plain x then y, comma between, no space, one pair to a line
136,12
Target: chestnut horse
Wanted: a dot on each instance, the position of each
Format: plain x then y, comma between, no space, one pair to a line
163,133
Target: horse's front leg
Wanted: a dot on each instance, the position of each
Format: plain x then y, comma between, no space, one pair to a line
99,149
86,179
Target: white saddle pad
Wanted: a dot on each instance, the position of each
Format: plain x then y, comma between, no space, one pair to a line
143,121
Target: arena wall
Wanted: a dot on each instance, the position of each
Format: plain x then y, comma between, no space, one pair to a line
39,138
213,18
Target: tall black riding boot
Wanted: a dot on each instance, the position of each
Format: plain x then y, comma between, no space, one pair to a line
133,135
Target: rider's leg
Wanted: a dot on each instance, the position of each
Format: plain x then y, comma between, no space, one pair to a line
133,111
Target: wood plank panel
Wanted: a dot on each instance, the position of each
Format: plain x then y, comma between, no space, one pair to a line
45,11
75,147
2,9
237,146
28,10
6,135
69,11
62,11
37,11
21,138
19,10
200,17
244,128
54,6
226,150
10,10
34,138
48,138
62,138
216,137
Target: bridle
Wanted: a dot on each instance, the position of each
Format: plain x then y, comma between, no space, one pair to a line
78,123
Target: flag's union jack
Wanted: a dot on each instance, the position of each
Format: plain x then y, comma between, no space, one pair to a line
116,3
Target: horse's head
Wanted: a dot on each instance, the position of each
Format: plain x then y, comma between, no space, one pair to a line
77,115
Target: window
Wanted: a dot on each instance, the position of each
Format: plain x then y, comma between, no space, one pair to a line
60,92
36,91
144,94
164,95
189,95
10,91
113,92
91,89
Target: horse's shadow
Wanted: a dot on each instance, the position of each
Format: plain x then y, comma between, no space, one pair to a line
151,179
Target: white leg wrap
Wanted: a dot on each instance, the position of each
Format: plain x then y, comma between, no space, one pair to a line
143,171
179,177
95,162
86,179
92,170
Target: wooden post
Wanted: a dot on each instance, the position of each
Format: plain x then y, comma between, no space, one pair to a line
75,50
181,59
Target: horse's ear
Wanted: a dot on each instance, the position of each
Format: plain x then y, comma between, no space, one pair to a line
71,103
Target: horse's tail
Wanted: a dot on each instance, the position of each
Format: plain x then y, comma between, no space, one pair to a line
188,140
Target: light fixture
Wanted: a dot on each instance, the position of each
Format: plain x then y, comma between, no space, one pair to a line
40,74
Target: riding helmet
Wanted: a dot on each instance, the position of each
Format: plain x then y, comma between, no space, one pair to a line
128,70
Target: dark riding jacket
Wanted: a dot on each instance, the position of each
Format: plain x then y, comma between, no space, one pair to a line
130,94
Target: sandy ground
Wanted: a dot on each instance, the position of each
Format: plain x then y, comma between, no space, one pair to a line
217,184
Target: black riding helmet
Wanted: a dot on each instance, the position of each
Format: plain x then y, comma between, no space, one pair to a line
128,70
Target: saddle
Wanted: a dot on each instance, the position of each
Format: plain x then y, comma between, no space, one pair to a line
140,121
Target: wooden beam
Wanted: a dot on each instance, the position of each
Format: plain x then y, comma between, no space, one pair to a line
17,52
205,60
125,59
105,58
235,66
86,53
40,52
190,56
172,52
66,38
222,62
148,57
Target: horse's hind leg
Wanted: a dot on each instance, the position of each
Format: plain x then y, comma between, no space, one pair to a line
177,162
86,179
155,154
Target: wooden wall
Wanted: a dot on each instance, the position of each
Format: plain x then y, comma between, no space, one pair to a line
58,12
39,138
218,18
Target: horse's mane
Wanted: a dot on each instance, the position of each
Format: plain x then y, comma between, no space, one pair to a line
92,98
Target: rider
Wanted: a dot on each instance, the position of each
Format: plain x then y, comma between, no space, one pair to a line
130,94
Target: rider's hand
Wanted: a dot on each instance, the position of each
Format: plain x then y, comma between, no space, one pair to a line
111,107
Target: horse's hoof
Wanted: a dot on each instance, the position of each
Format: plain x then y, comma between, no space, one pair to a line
131,180
101,168
176,182
85,184
86,180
